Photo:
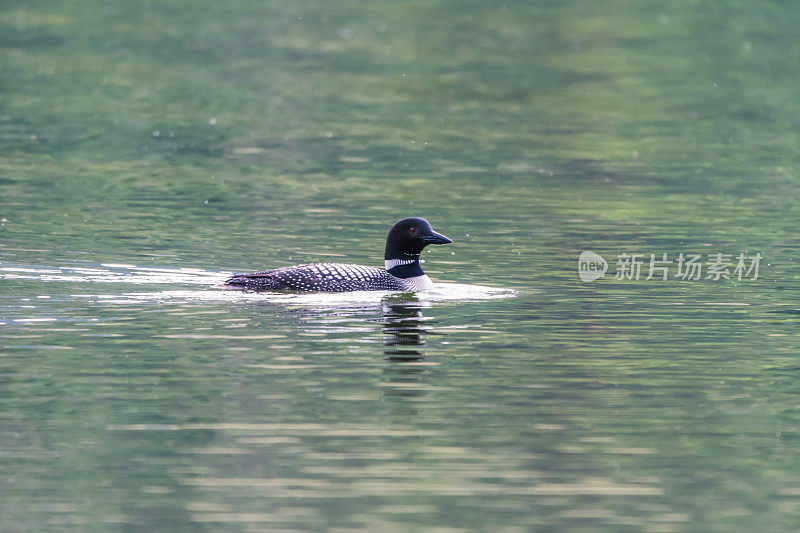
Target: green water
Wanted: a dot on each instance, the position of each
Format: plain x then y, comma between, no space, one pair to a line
138,138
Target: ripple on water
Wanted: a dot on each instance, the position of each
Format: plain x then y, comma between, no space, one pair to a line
112,273
213,291
441,292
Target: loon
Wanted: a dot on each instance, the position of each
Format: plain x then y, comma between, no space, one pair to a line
404,243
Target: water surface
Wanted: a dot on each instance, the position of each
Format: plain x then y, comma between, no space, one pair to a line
148,150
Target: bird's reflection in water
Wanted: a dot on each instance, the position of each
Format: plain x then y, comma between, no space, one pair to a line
404,338
403,329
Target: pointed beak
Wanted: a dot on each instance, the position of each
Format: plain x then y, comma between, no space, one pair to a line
435,238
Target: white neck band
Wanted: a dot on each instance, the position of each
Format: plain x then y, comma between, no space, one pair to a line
391,263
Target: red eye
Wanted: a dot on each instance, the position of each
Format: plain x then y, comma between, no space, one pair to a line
412,231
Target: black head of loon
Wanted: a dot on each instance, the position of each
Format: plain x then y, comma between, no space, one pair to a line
409,236
406,240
